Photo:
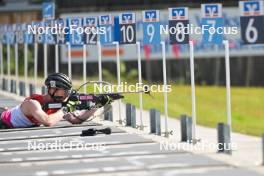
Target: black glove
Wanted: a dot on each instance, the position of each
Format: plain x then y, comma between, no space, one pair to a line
102,100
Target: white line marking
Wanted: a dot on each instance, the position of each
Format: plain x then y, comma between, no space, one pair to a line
25,164
109,169
42,173
165,165
59,172
131,153
76,156
17,159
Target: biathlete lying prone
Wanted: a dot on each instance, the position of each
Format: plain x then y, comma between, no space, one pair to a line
36,110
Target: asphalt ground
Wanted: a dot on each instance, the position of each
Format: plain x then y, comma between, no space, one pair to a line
29,151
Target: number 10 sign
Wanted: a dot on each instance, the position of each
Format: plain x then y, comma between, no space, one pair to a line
127,27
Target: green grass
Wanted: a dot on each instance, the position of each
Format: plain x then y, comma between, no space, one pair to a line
247,106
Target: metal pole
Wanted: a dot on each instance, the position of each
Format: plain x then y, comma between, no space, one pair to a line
8,67
1,61
16,66
140,83
193,91
228,92
118,77
45,60
1,57
26,66
35,63
99,49
69,61
84,67
165,87
262,137
56,58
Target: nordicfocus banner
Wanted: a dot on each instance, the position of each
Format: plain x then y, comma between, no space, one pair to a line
230,29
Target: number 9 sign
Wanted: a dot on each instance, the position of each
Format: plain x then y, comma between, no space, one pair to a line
151,27
252,22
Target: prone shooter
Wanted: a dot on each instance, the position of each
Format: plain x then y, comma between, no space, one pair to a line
60,102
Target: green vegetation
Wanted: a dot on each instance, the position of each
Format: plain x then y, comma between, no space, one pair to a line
247,103
247,106
20,59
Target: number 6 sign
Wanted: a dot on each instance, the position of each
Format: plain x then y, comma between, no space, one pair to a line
252,22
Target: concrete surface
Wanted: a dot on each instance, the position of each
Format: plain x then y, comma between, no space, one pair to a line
125,152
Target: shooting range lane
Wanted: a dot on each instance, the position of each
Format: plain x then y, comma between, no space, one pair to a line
113,164
211,171
113,139
109,151
120,153
49,133
116,163
62,124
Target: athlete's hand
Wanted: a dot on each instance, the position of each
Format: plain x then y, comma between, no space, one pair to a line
71,105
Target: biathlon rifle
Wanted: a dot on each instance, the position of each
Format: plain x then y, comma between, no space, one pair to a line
91,100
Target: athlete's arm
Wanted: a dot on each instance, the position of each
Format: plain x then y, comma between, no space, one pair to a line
78,117
33,108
